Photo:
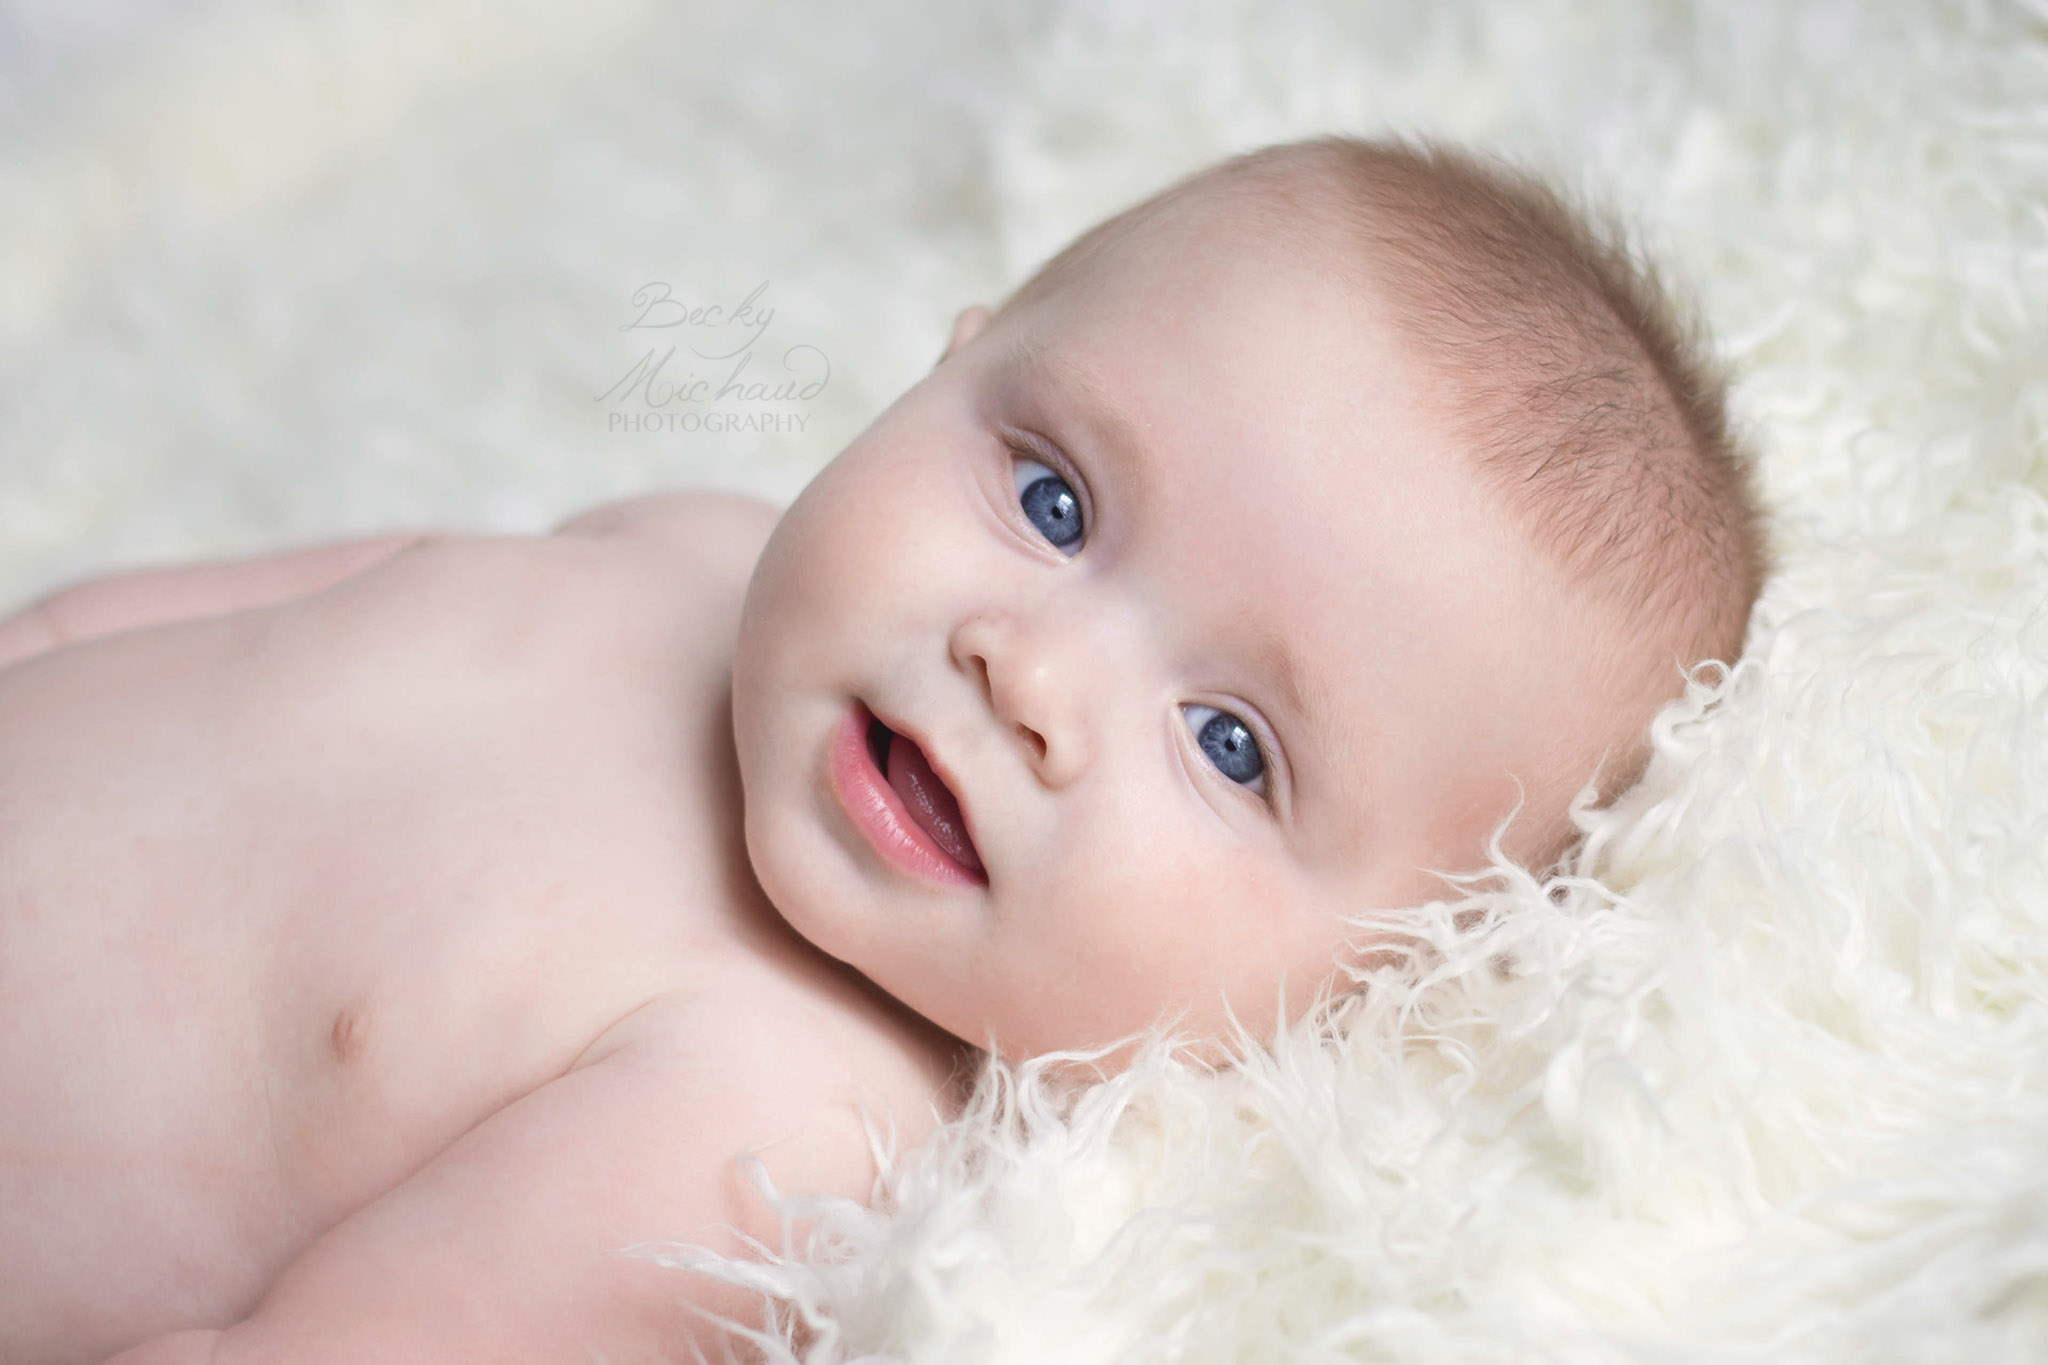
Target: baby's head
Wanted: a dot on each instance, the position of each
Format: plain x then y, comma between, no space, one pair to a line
1266,550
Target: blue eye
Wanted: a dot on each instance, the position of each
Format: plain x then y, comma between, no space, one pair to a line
1228,743
1049,504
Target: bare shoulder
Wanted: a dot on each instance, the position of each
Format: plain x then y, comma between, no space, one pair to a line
695,522
840,1062
795,1070
660,567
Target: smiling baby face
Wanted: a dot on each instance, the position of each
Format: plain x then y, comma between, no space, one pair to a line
1158,630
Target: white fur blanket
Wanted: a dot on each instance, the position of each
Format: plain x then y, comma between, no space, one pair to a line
1767,1078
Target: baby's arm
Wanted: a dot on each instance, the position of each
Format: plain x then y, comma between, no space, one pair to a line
506,1247
147,597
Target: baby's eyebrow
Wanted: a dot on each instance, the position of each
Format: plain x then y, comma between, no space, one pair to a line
1043,370
1302,690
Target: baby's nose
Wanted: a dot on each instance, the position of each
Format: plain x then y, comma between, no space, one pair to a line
1033,685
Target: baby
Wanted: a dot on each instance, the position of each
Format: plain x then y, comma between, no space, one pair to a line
393,931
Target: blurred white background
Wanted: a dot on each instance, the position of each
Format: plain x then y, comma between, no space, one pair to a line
276,272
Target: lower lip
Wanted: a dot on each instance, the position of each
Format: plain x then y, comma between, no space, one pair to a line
879,813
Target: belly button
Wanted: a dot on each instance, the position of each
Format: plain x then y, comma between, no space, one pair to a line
350,1032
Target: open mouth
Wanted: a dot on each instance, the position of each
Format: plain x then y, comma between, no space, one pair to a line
926,799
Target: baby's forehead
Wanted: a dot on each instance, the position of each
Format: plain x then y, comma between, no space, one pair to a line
1197,250
1274,480
1273,407
1231,367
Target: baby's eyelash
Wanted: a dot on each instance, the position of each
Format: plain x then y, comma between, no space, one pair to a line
1027,445
1024,446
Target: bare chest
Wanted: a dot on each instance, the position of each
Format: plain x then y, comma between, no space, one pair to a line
290,900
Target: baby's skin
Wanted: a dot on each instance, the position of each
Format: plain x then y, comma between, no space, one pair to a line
379,961
392,932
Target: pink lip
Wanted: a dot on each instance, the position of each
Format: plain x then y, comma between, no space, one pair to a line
878,812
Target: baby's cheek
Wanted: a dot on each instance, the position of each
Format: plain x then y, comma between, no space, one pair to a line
865,551
800,589
1166,916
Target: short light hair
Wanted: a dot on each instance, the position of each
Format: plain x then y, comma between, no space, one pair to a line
1584,394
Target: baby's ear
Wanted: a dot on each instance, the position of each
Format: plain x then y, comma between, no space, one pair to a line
966,327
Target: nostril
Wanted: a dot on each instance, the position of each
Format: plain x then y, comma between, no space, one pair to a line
1034,739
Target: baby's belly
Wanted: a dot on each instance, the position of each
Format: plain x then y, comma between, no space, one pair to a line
270,941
